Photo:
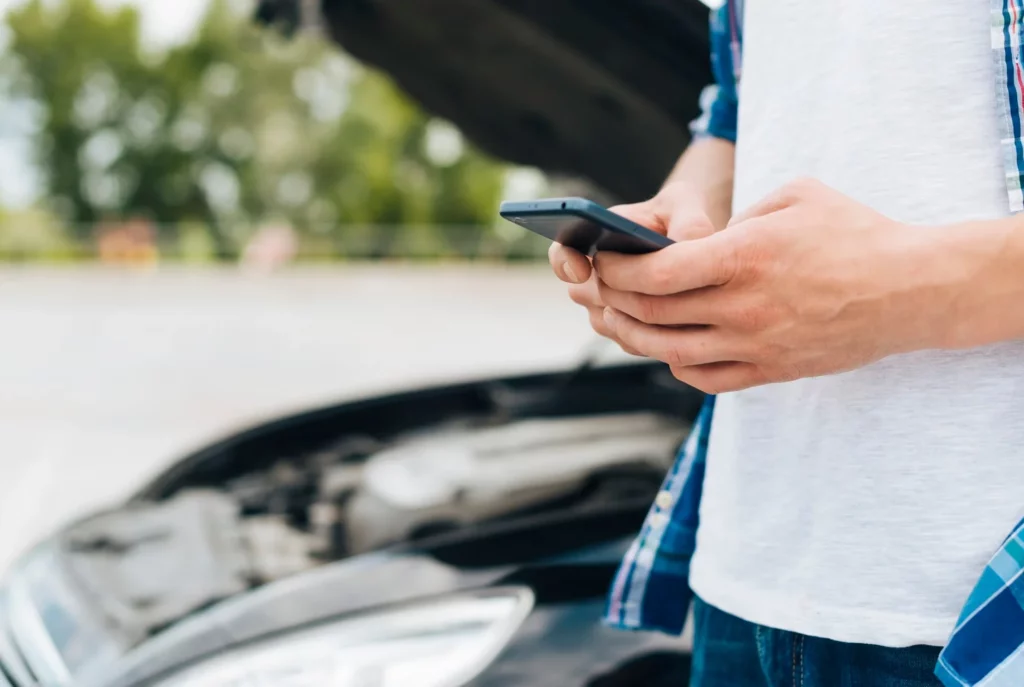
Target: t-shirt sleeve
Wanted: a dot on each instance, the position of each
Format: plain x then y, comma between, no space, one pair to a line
720,100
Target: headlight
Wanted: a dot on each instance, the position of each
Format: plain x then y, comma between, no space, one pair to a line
441,643
55,635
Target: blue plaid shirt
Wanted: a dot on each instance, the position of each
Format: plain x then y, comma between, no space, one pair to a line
651,590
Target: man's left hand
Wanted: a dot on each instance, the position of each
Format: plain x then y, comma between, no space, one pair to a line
808,282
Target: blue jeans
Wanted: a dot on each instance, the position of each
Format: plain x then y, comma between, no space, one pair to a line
729,652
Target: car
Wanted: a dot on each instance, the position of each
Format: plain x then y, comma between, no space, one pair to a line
239,565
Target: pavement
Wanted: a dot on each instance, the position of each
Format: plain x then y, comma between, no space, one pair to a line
108,376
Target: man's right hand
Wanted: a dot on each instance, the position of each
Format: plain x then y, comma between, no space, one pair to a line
677,212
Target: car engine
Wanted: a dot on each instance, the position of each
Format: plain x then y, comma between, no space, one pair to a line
154,562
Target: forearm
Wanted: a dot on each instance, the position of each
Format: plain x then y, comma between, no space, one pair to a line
982,266
708,167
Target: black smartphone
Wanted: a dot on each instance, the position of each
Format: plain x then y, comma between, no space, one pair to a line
584,225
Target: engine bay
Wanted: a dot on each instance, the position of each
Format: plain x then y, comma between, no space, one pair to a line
162,557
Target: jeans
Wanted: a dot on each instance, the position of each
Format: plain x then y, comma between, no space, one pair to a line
729,652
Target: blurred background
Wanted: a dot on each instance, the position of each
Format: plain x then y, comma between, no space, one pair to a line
146,132
160,163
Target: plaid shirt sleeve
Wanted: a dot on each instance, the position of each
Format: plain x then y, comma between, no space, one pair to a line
651,590
987,646
1007,39
720,100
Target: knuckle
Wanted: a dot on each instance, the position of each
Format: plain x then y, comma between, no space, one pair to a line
782,371
675,356
696,378
751,317
586,294
729,262
662,276
714,384
701,225
648,310
681,374
799,188
597,322
693,226
712,388
747,256
772,351
579,296
746,241
761,352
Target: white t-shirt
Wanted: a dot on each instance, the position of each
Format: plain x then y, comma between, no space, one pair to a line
863,507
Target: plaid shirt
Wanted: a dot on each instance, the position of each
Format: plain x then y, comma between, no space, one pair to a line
651,590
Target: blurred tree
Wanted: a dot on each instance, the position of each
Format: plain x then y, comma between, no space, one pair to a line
32,234
236,127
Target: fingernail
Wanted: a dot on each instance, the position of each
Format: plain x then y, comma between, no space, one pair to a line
609,317
569,273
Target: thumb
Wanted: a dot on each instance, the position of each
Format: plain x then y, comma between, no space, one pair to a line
647,214
689,223
676,212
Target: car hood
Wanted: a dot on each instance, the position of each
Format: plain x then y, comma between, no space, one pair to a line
445,565
351,586
602,89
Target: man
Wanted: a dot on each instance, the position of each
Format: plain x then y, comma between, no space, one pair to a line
850,278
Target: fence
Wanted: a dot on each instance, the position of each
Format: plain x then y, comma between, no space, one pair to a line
139,241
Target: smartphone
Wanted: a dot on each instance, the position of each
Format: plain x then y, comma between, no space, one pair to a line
584,225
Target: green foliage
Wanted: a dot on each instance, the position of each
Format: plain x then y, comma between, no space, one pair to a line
33,234
236,127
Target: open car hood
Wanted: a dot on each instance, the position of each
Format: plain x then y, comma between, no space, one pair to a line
603,89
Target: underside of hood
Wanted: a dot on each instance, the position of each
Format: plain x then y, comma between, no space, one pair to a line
601,89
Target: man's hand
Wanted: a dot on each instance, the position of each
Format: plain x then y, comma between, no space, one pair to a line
676,212
806,283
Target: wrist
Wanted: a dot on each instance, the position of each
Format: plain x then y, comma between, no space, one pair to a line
977,271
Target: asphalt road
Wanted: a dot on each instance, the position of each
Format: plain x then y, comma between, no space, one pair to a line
107,376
